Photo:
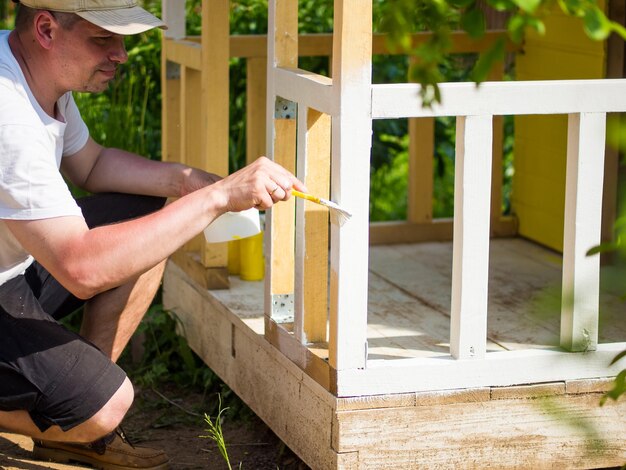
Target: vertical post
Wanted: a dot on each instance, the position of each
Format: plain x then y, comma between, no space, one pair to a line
470,260
256,85
282,50
214,110
586,135
311,283
351,147
174,16
421,153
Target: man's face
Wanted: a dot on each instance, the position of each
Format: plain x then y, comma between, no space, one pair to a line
88,56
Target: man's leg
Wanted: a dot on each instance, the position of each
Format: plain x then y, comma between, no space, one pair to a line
111,318
103,422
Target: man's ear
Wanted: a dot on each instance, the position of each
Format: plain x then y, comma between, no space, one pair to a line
46,26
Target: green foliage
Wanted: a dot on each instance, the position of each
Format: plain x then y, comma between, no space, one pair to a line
401,18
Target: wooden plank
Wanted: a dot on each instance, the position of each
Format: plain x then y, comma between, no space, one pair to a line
420,178
298,410
470,263
190,129
503,368
207,278
280,269
311,293
528,391
583,212
513,433
256,84
351,144
214,106
185,53
282,51
306,88
321,44
502,98
314,366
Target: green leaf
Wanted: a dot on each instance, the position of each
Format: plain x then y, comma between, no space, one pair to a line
618,357
527,5
597,26
501,5
603,248
516,26
487,59
474,23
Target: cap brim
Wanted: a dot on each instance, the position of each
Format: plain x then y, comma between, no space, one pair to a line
133,20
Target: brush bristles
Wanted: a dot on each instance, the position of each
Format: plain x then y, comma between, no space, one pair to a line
338,215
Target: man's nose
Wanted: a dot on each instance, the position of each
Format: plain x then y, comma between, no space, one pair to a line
118,54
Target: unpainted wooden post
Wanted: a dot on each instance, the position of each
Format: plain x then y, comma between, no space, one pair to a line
173,12
421,156
583,218
351,147
256,89
282,50
311,284
497,153
214,99
470,260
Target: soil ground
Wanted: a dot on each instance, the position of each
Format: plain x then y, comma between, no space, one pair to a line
172,419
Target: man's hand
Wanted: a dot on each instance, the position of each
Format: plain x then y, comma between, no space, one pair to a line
260,185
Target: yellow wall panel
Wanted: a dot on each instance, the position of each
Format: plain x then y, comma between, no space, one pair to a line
538,192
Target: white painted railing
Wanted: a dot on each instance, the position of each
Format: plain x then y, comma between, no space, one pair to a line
353,102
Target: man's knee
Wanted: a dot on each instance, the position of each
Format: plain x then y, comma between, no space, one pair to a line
108,418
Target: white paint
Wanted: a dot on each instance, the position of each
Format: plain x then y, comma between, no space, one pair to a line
470,264
583,218
307,88
299,276
495,370
502,98
174,15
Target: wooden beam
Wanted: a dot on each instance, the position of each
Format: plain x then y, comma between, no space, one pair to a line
470,265
351,147
583,220
214,106
502,98
311,302
256,85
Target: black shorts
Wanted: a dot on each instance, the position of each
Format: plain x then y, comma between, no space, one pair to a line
51,372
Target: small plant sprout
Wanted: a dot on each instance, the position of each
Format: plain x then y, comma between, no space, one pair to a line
216,434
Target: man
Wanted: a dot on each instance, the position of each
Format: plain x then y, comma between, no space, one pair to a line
105,252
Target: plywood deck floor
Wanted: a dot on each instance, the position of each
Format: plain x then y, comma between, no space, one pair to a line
409,300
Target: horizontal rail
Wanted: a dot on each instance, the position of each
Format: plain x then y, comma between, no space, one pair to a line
497,369
306,88
184,51
502,98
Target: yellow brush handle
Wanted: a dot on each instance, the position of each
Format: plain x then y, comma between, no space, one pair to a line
308,197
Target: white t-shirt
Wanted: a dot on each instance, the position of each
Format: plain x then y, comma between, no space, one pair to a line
31,147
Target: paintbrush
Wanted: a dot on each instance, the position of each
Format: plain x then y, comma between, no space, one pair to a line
338,215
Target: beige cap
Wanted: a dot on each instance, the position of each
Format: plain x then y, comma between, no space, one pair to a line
118,16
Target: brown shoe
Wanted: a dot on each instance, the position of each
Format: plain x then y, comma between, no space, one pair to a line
112,452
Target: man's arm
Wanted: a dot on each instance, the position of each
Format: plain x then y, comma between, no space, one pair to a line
99,169
87,261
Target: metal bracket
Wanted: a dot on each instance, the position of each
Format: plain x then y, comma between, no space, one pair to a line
285,109
282,308
172,70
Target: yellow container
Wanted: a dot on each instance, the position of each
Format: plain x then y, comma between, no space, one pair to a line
234,256
252,263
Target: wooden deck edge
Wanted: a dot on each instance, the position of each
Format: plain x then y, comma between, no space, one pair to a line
295,407
564,431
471,428
208,278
